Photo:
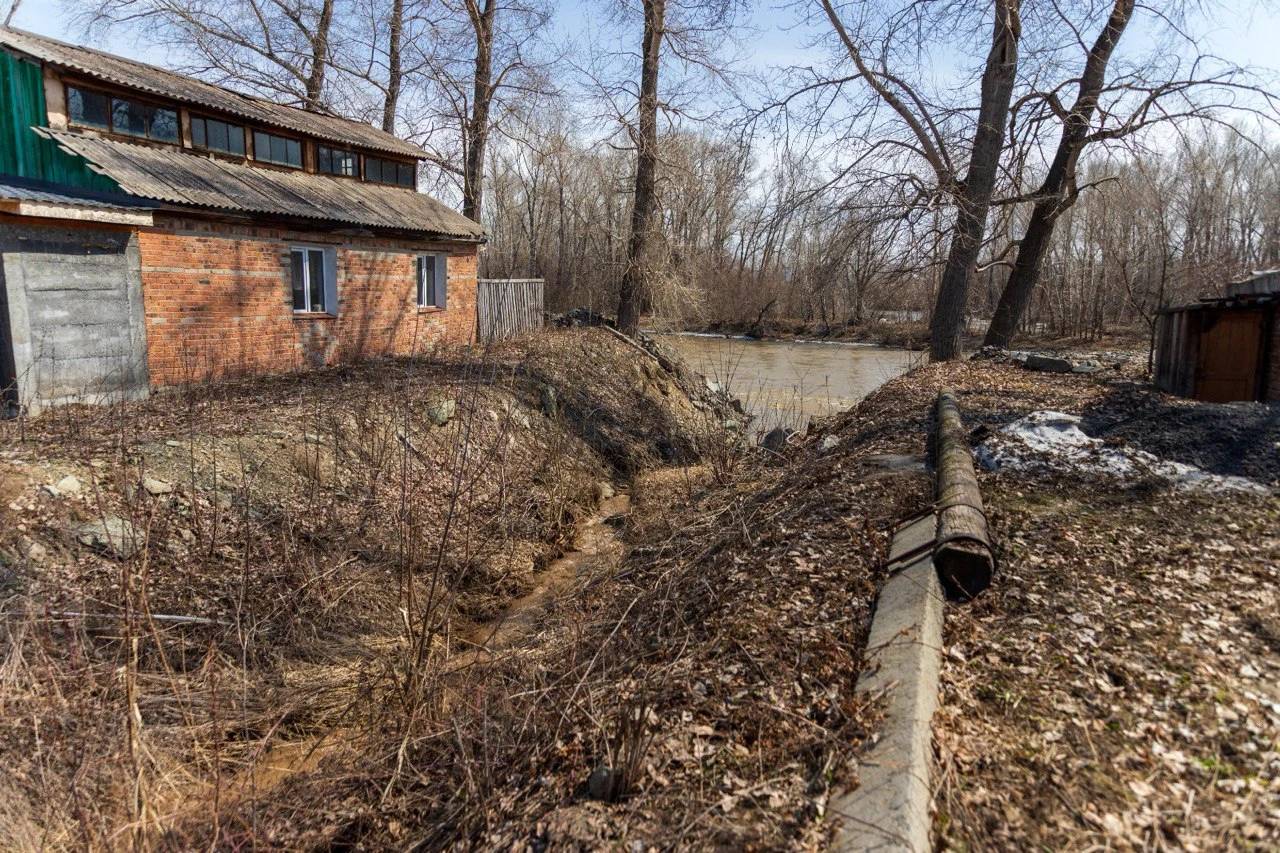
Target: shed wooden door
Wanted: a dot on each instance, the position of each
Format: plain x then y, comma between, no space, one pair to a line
1229,352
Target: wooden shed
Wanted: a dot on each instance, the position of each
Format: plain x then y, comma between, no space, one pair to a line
1223,350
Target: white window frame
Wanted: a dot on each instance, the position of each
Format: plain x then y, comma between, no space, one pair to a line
329,286
439,296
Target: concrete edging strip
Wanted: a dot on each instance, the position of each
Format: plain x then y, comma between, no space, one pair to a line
889,810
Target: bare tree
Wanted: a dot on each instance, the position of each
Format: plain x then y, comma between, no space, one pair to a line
277,48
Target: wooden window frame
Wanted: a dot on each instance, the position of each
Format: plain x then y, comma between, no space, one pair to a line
302,148
364,172
68,85
193,116
335,149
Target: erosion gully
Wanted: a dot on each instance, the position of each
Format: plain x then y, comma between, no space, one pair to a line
780,383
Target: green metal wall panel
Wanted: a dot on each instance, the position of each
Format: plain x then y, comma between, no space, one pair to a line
25,154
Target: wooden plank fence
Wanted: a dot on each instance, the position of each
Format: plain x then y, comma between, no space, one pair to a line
508,307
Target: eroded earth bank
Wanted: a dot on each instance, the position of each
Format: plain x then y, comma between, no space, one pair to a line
545,596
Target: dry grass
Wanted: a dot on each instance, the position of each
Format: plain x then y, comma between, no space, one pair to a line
327,544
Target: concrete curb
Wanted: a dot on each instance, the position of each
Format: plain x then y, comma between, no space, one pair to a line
889,810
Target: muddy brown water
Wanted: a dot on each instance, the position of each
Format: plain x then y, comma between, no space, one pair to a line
785,383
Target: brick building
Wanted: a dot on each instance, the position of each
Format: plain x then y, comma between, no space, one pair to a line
156,229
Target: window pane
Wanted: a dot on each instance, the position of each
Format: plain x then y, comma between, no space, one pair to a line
427,277
197,132
294,153
279,149
299,282
348,164
261,146
235,136
324,159
372,169
87,108
406,175
217,132
164,125
316,278
128,117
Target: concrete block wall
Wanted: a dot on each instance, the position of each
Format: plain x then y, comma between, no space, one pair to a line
74,298
218,300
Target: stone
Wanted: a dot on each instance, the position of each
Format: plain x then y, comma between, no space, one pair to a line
156,488
440,412
550,399
732,425
172,443
1048,365
311,438
714,387
1087,367
36,552
606,490
777,438
112,535
828,444
50,490
279,433
603,784
69,484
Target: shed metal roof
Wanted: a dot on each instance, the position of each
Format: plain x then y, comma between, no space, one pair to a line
158,81
207,182
18,190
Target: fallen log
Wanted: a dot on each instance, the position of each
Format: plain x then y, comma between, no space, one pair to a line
962,548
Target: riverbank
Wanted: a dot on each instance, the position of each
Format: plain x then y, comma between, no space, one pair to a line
907,335
1117,685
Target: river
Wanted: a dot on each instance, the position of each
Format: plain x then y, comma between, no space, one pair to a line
785,383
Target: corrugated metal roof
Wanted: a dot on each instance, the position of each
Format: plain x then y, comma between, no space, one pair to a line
207,182
158,81
18,192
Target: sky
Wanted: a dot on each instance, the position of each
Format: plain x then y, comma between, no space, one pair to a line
1241,31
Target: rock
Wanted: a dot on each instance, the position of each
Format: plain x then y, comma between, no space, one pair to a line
732,425
113,535
440,412
69,484
1086,367
50,490
714,387
603,784
606,490
829,443
279,433
311,438
36,552
172,443
155,487
777,438
550,401
1047,364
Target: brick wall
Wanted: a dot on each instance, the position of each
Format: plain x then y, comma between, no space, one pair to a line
218,300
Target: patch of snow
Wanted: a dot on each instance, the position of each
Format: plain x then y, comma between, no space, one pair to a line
1054,440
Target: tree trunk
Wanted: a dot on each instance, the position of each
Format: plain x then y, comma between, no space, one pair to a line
319,58
478,126
1056,193
947,328
639,248
395,28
